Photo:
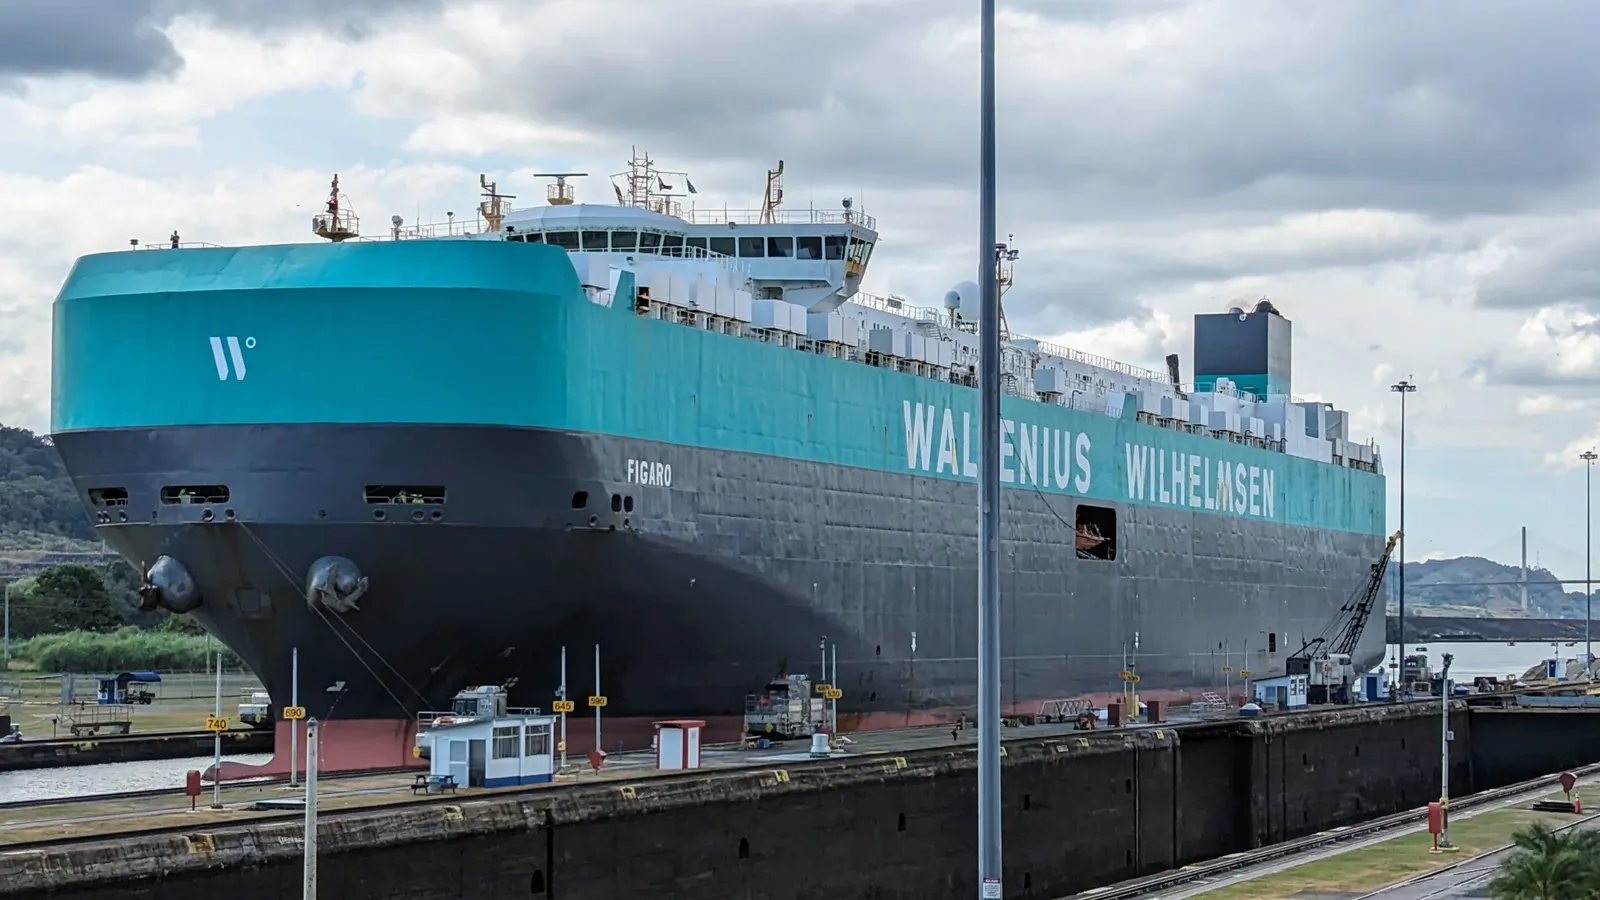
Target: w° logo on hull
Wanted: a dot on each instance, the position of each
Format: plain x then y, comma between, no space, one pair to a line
234,353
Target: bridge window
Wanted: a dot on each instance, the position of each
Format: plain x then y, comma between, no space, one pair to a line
625,241
649,242
697,243
781,247
404,493
835,244
566,240
722,246
672,242
194,493
596,240
537,238
1096,532
859,252
808,247
108,496
752,247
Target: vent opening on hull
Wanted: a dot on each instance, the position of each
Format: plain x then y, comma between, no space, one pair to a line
1096,532
194,493
580,499
108,496
404,493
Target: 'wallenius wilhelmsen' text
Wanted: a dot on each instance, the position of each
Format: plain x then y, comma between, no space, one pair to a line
940,441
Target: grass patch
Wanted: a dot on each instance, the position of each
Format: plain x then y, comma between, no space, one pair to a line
1368,868
122,650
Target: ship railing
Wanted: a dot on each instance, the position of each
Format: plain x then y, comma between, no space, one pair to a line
807,216
167,245
427,718
1091,359
898,306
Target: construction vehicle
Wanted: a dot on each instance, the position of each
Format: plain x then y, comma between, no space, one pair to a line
784,709
1326,658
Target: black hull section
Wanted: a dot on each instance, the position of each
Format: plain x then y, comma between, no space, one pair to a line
697,591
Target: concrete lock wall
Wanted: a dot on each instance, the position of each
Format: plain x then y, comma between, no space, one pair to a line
1080,811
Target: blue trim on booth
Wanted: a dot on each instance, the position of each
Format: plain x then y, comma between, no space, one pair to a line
515,780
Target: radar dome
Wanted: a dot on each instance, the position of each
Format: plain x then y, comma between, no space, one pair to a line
964,299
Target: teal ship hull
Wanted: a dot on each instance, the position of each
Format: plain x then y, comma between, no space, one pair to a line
501,466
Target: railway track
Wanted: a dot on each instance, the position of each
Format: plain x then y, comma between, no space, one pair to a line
1146,887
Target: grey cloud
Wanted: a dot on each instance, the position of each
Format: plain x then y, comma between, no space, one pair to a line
118,39
124,39
1561,270
1354,103
1505,370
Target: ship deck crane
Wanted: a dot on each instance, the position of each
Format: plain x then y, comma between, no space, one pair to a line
1326,658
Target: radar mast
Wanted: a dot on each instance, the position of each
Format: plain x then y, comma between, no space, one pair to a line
773,198
647,189
1005,257
492,209
337,223
560,193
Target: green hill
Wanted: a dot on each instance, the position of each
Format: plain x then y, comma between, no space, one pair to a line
1453,587
42,522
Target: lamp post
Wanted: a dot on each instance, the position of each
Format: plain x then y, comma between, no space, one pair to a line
1444,750
1403,388
988,477
6,592
1588,457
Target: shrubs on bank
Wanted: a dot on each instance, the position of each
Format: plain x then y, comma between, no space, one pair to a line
118,651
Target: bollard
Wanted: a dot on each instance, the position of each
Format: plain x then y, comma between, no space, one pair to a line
819,744
191,786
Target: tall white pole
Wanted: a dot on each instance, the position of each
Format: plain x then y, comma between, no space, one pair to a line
1588,458
597,694
294,724
216,767
1403,387
7,595
833,718
309,884
563,714
1444,750
988,479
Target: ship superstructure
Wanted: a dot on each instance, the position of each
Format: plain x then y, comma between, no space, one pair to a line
435,457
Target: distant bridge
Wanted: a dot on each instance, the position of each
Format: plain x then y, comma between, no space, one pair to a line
1422,629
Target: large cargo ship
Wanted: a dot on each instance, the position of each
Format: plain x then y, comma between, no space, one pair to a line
437,457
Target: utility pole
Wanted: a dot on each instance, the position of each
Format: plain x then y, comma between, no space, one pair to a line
7,598
1588,457
833,718
309,885
216,766
1444,759
563,693
988,477
294,724
1403,387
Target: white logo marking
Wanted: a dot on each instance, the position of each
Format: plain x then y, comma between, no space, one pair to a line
235,353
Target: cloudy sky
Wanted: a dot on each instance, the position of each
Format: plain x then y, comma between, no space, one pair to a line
1414,185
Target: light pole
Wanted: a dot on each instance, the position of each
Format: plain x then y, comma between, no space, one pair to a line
1403,388
988,477
7,599
1444,750
1588,457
